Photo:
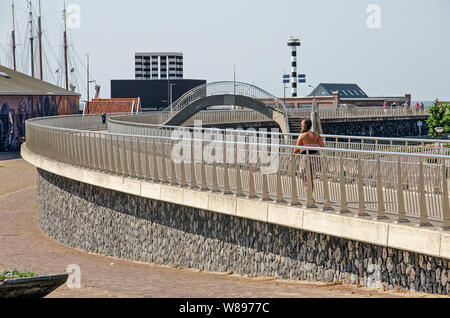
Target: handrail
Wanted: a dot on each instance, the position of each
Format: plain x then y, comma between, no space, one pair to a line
406,186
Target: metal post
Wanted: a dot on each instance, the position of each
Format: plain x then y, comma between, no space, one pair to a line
163,164
380,192
445,203
344,207
309,183
422,197
362,201
400,195
251,182
294,188
326,189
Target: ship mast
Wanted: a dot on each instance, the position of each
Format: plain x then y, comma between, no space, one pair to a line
40,41
31,41
13,34
65,48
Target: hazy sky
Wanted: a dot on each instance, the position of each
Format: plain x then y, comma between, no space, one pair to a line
409,53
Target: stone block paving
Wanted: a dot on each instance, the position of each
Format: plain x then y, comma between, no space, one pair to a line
23,246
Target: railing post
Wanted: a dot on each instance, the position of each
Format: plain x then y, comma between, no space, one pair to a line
265,189
99,147
294,188
164,178
193,180
343,191
279,198
173,173
183,173
132,169
204,185
400,196
147,163
380,192
309,183
326,190
445,203
239,191
361,198
251,182
119,159
106,156
226,179
125,168
422,197
215,183
112,161
155,172
138,168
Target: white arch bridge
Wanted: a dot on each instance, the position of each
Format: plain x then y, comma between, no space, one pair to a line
227,93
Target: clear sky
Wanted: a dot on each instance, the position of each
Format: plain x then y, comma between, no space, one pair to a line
409,53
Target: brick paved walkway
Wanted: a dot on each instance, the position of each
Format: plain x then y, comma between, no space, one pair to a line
24,246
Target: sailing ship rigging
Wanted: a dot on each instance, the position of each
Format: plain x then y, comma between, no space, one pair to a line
38,58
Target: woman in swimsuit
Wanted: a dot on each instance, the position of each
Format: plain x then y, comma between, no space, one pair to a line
308,138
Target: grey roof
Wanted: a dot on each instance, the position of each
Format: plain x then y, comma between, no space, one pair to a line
345,90
16,83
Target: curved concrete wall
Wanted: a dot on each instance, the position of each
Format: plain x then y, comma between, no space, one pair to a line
123,225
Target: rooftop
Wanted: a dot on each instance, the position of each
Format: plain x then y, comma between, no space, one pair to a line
16,83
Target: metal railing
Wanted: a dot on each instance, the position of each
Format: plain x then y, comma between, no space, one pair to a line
225,88
402,186
211,117
407,145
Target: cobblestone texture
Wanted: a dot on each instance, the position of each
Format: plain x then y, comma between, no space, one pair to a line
125,226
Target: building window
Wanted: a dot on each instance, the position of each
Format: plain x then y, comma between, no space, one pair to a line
294,53
294,64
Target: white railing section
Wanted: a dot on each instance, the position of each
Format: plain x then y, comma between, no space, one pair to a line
406,187
407,145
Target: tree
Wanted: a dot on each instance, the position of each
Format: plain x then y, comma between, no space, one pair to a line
439,117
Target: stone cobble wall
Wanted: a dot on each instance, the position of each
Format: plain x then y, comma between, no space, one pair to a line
126,226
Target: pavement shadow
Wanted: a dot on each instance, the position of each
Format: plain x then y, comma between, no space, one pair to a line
9,155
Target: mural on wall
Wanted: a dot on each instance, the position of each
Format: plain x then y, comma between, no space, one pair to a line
15,110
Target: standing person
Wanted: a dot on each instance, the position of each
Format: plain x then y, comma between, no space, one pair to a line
104,118
416,106
308,138
385,107
422,106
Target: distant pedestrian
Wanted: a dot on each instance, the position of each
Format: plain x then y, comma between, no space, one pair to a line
405,106
385,107
416,106
104,118
422,106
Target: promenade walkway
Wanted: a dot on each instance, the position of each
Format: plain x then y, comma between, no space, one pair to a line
25,247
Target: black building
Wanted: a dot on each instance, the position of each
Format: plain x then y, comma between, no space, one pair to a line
154,94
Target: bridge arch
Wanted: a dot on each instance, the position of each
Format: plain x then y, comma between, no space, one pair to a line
227,93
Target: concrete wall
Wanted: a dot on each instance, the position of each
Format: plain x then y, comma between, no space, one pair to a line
381,127
123,225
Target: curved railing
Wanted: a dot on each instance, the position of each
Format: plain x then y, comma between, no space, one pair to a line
137,125
403,186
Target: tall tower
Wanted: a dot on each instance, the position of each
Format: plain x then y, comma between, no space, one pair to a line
293,43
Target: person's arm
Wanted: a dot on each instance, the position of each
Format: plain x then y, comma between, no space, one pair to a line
321,144
299,143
